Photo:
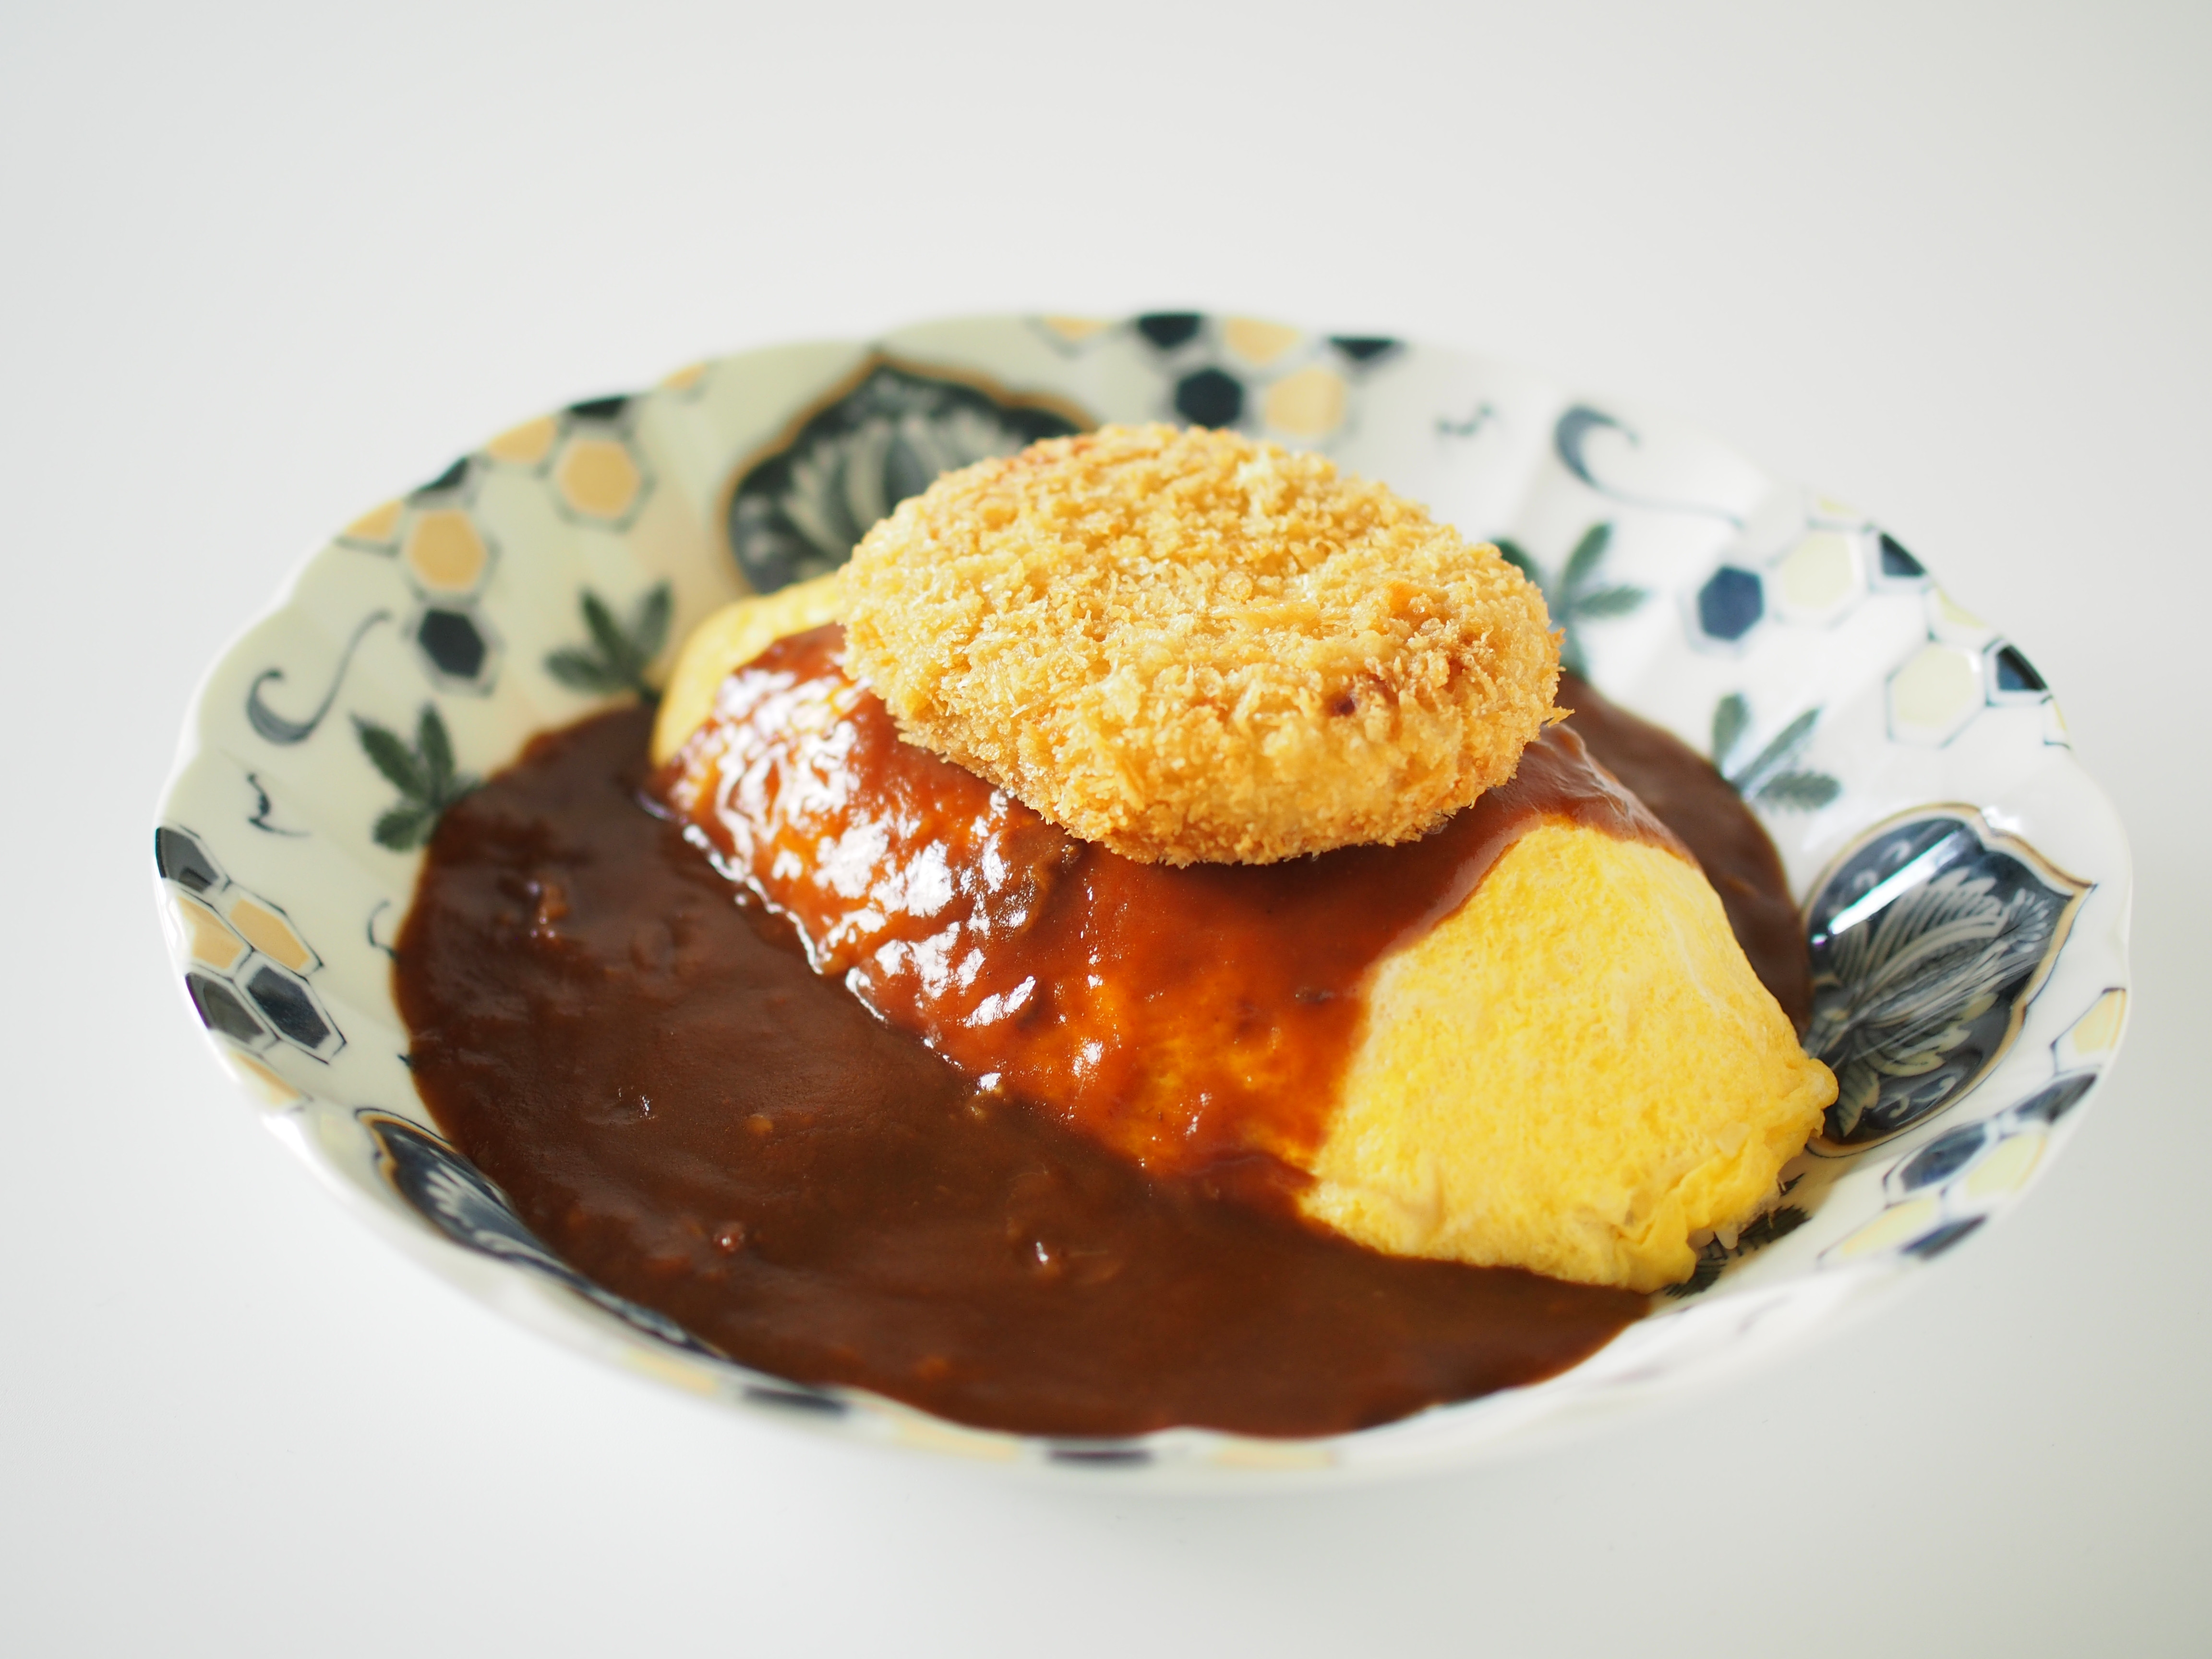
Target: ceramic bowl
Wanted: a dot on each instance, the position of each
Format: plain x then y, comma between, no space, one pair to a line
1964,886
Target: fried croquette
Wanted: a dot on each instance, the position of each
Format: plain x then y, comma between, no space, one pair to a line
1192,647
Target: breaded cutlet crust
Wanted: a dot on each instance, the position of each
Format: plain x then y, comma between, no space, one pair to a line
1193,646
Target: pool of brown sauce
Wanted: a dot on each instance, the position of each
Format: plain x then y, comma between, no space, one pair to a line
641,1056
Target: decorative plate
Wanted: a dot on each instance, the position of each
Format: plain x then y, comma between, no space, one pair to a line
1964,886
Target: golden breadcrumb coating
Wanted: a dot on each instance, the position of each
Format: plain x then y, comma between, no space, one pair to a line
1190,646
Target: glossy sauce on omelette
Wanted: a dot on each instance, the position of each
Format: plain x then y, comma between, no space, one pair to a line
1191,1017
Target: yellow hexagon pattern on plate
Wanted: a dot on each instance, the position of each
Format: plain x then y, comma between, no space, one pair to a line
444,552
2006,1168
272,935
525,444
664,1368
597,478
2095,1035
1073,329
929,1435
374,527
1950,621
208,937
1307,404
1820,574
1257,343
1935,694
274,1089
1242,1453
1899,1224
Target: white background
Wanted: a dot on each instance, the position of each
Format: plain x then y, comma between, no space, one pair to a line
260,267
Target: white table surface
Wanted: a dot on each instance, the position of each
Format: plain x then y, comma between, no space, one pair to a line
261,266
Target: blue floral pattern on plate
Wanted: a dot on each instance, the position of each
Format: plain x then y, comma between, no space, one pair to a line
1928,941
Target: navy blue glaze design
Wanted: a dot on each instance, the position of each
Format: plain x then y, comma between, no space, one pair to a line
599,408
1168,329
285,1003
791,1397
1896,561
454,643
276,727
451,479
1928,1246
1481,417
1713,1261
2055,1099
1943,1158
2015,672
1730,603
1571,439
1210,397
1928,941
251,1000
1082,1456
262,807
369,930
178,857
797,514
451,1193
220,1009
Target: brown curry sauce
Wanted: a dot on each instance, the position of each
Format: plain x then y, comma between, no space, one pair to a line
687,1112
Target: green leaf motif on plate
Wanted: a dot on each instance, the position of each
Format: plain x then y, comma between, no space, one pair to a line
619,651
1771,777
424,774
1576,594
